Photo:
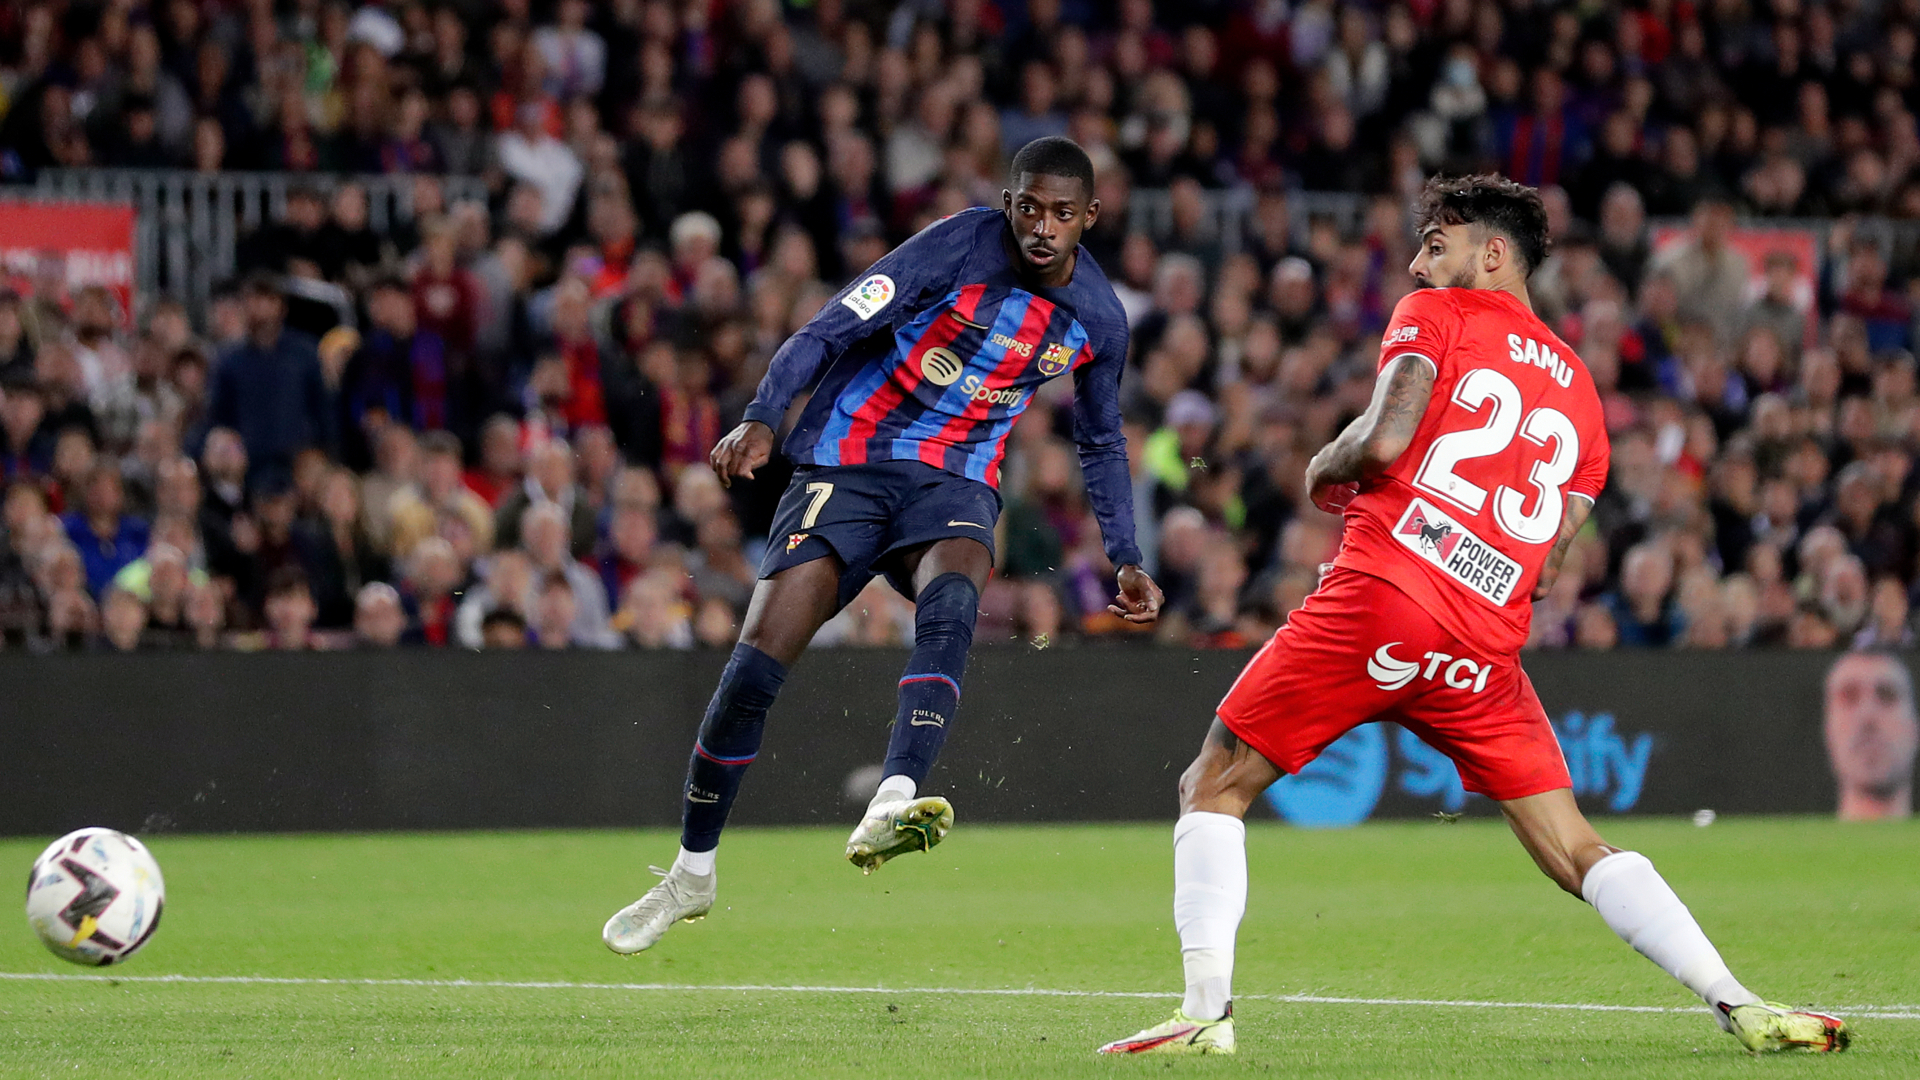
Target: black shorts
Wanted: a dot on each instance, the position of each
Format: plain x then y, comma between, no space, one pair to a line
867,514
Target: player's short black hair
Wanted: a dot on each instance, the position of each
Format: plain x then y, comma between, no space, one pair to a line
1492,202
1054,155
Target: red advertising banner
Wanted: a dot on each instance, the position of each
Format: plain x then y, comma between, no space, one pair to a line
66,245
1756,243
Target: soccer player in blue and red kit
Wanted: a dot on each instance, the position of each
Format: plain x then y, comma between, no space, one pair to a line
919,369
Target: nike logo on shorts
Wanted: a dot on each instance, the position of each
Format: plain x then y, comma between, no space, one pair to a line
691,797
968,524
917,722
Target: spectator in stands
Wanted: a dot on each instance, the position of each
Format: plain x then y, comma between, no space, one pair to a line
1643,609
677,190
106,537
347,559
530,154
507,585
29,441
123,618
549,482
503,629
269,388
290,611
499,468
433,573
1709,276
653,612
379,619
544,539
555,612
439,489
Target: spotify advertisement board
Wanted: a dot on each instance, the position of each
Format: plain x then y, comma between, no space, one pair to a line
451,739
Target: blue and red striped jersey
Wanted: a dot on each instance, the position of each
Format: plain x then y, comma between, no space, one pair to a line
936,350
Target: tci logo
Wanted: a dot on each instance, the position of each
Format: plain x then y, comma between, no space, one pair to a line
1343,785
1389,672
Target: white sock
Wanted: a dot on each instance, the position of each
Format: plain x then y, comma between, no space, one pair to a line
1209,896
895,787
697,863
1642,908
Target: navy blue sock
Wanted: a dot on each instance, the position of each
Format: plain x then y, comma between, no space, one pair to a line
930,689
729,740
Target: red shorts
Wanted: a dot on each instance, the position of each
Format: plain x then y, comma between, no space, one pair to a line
1360,650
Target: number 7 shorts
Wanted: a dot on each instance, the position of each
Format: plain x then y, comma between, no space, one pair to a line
1361,650
866,514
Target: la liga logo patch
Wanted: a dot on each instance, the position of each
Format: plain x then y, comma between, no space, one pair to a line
867,298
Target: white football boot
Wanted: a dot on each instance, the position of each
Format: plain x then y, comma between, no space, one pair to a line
680,897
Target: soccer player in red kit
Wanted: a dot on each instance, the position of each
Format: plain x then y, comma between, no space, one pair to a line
1473,467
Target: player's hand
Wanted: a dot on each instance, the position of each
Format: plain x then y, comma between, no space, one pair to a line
1332,498
743,450
1140,599
1544,587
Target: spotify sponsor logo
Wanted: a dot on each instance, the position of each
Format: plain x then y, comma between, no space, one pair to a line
940,366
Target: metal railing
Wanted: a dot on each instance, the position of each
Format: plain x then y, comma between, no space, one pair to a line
1227,214
188,225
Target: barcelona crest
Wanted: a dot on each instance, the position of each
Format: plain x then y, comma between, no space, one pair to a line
1055,360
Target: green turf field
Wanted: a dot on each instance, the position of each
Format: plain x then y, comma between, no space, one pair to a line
1806,911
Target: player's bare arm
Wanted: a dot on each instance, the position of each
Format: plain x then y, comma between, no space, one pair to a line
741,451
1571,520
1377,438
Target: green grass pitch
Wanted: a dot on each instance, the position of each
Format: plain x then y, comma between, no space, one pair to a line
1806,911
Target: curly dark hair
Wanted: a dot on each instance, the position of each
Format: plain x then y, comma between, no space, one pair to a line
1492,202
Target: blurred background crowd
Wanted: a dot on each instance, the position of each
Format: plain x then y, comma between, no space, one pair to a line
501,443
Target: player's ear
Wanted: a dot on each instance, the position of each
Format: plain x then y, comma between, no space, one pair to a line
1494,255
1006,199
1092,215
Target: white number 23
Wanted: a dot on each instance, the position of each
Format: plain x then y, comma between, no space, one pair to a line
1486,391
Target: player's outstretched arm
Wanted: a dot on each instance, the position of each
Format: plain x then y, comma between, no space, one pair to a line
1379,436
741,451
1574,516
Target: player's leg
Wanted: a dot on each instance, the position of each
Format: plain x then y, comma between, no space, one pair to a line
1210,863
946,577
1639,905
786,610
826,531
1317,678
1507,751
1209,893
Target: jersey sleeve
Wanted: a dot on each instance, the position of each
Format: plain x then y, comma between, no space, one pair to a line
1596,458
1424,323
890,292
1103,445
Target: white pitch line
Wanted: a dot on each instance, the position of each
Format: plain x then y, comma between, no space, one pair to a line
1882,1012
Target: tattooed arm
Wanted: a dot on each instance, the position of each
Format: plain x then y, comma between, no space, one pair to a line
1371,443
1575,515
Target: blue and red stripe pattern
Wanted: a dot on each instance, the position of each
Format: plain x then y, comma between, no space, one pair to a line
932,676
718,760
958,377
937,350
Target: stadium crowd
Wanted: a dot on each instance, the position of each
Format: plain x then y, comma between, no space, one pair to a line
508,447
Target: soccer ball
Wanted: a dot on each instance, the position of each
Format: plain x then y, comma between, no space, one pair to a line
94,897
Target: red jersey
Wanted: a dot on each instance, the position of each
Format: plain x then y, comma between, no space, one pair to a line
1464,519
